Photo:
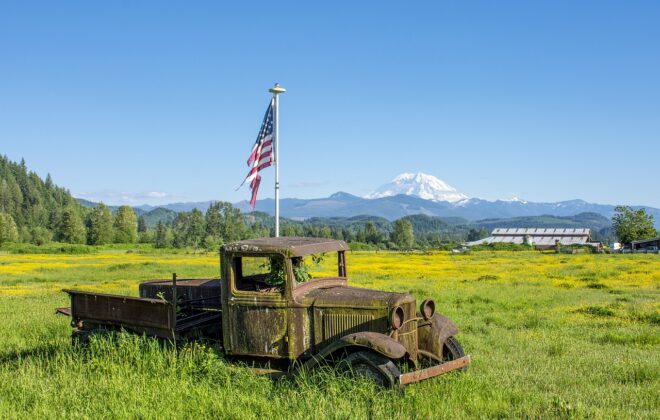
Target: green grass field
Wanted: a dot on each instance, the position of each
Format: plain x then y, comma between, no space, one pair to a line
549,335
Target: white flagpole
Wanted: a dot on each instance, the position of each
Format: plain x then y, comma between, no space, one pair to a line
276,90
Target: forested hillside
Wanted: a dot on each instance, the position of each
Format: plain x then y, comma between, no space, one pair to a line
34,210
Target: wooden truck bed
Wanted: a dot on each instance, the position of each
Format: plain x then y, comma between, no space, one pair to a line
198,308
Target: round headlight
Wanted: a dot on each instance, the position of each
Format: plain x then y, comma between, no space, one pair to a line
427,308
397,317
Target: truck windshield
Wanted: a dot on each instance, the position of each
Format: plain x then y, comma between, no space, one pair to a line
315,266
261,274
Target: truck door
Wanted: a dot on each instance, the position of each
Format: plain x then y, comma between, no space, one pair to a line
257,307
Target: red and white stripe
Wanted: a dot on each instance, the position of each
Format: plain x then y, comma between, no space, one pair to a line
261,157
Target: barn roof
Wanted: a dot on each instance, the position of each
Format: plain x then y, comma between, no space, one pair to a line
539,237
541,231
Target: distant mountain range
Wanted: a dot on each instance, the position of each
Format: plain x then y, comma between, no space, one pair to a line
394,207
152,215
420,193
407,194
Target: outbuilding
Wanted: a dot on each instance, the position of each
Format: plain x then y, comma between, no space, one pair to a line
646,245
540,238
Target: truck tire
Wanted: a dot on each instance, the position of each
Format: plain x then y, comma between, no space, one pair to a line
453,350
80,338
373,366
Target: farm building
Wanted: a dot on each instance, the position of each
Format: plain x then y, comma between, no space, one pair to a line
540,238
646,245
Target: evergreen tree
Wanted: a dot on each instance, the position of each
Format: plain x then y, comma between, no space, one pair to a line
195,233
258,230
180,226
161,236
49,182
233,225
31,202
141,224
371,234
213,218
325,232
224,223
40,235
475,235
125,225
402,235
8,230
71,228
100,226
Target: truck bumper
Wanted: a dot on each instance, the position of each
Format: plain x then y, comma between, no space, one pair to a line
437,370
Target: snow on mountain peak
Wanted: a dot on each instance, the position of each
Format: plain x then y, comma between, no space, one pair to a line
514,199
420,185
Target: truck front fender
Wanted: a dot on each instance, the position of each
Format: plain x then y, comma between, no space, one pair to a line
380,343
432,334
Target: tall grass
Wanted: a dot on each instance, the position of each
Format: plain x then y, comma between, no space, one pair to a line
545,342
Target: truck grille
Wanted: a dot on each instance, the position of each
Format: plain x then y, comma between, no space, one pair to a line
337,325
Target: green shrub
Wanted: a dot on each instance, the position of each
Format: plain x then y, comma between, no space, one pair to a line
502,246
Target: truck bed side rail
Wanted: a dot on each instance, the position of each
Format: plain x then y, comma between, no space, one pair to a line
146,314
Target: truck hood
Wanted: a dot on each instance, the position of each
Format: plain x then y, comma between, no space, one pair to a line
353,297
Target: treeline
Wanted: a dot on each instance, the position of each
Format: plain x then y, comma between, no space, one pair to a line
31,209
416,231
37,211
221,223
400,234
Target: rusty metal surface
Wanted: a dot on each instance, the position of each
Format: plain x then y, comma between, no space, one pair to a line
353,297
407,334
319,312
336,325
63,311
325,283
203,292
286,324
184,282
433,333
152,315
290,246
380,343
433,371
257,328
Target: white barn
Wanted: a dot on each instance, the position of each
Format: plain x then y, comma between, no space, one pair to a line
540,238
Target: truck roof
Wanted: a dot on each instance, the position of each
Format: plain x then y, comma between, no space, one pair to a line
291,246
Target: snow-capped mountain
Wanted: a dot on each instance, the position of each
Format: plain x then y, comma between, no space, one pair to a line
410,194
420,185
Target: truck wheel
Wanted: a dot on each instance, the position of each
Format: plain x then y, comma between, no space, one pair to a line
453,350
80,338
373,366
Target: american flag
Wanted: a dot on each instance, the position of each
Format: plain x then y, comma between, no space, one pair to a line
261,155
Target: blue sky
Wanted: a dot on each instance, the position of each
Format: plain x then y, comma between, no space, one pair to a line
154,102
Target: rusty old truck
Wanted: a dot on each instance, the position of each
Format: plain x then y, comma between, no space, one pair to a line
267,307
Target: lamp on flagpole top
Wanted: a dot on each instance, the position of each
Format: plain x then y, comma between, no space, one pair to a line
276,90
